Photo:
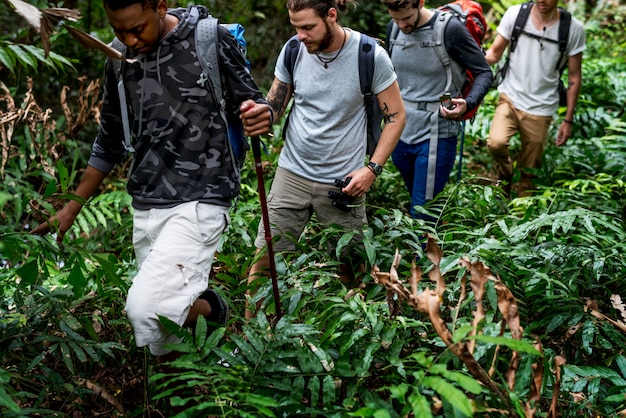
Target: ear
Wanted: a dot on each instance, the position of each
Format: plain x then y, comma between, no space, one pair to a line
162,8
332,15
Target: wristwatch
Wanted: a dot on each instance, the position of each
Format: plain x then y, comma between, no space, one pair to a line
377,169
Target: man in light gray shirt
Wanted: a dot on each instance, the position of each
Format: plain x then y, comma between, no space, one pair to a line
326,136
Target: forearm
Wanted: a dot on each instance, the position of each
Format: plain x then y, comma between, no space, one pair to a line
91,180
388,140
278,97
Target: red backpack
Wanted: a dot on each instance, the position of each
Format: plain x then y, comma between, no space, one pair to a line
471,14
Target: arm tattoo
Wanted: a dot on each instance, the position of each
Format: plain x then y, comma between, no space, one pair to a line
278,98
388,117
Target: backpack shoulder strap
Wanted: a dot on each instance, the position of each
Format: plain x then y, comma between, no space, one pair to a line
519,24
206,48
440,48
565,21
392,33
291,54
367,65
367,47
118,66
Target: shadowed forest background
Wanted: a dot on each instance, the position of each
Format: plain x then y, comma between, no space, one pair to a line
514,307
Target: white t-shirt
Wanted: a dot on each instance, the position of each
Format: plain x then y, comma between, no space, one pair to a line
327,133
532,78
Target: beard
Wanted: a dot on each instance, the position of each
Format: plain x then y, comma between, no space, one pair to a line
325,42
411,28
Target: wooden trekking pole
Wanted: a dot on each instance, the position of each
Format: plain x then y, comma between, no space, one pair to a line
256,152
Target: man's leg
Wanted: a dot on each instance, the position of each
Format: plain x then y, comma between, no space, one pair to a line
503,126
353,220
533,133
174,272
289,210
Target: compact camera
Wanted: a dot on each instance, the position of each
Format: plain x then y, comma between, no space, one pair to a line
446,101
340,200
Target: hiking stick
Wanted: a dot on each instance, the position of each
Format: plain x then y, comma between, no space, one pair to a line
256,152
458,173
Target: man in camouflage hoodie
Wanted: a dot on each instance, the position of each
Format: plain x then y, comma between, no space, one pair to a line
183,177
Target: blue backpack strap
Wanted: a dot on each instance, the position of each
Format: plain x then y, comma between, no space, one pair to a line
391,34
367,52
289,59
291,54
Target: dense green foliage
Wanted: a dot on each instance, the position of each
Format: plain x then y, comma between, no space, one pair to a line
67,348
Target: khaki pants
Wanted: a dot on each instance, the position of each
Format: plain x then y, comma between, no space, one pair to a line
533,134
291,203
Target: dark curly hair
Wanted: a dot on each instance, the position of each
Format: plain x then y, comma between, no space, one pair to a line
122,4
397,5
321,7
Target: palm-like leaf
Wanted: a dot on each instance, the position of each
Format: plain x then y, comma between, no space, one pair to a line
42,20
90,42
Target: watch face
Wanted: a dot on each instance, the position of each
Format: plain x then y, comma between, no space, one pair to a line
377,168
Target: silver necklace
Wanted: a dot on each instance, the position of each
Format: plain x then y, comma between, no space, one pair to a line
326,62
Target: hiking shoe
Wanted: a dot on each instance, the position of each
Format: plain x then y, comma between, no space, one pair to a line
219,307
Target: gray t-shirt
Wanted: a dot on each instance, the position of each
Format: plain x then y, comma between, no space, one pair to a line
327,133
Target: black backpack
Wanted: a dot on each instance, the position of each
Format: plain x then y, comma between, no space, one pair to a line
366,75
565,21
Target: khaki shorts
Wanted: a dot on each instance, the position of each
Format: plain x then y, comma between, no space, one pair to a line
291,203
175,249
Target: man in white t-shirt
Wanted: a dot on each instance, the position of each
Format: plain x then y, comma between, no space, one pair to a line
326,135
529,95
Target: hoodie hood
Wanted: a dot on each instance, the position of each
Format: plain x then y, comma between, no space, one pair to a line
187,21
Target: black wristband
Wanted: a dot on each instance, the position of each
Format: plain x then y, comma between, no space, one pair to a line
571,122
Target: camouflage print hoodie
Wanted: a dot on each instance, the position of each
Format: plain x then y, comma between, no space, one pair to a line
181,149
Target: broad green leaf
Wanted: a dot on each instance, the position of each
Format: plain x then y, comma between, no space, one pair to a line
354,337
314,389
201,331
260,400
78,351
7,402
23,57
466,382
513,344
77,279
66,355
450,393
621,363
398,391
297,388
461,332
254,339
588,333
343,242
420,406
370,250
28,272
328,389
7,59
